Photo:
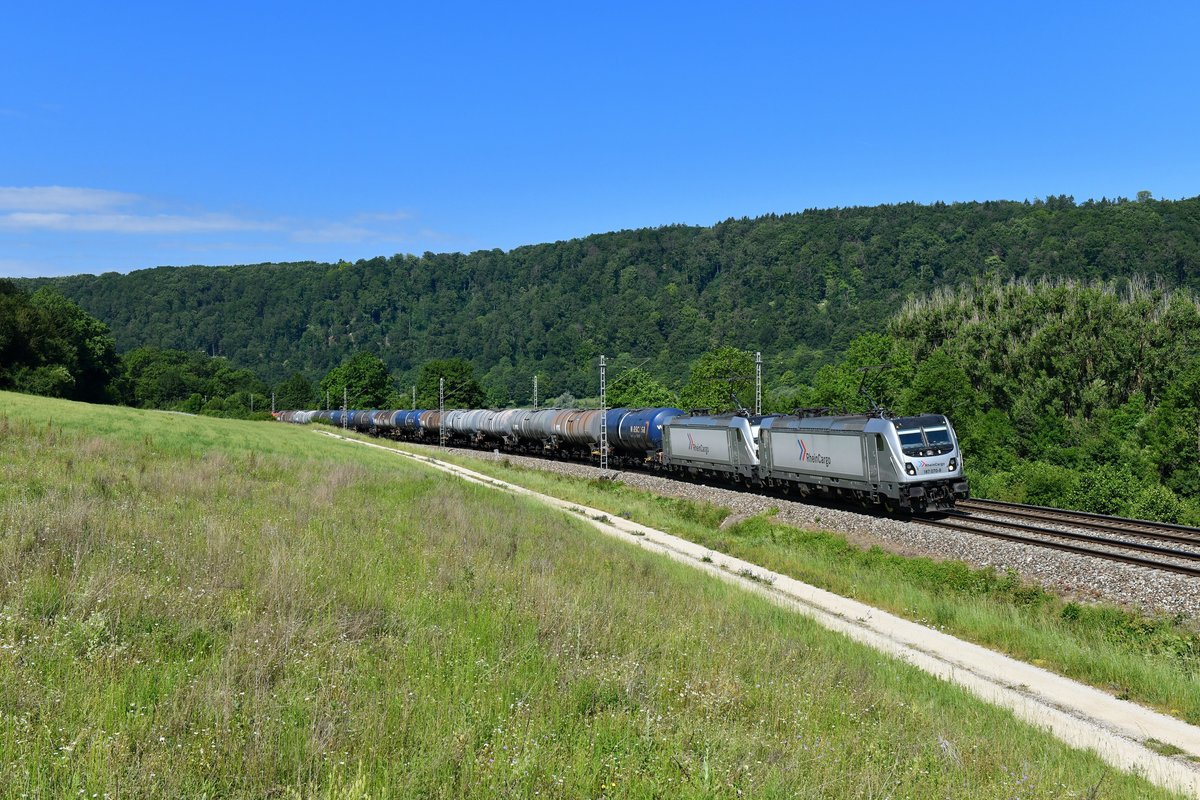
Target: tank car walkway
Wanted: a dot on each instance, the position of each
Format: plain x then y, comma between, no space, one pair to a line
1078,714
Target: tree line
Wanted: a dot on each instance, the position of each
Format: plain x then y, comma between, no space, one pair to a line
50,346
800,287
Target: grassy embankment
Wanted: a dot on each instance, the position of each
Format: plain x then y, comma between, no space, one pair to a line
202,607
1151,660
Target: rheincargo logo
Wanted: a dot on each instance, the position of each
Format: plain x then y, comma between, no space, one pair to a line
699,448
812,458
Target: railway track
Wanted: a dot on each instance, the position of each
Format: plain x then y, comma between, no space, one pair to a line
1094,535
1160,531
1018,524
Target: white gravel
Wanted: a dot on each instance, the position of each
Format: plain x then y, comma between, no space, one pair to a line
1074,576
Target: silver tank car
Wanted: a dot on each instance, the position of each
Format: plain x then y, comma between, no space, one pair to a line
538,427
503,425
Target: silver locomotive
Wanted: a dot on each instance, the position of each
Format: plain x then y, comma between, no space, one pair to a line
903,463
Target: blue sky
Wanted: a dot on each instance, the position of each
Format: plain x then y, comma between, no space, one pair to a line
135,135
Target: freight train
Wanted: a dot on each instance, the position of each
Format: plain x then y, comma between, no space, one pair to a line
907,464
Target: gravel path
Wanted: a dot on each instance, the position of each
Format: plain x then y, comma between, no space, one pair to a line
1076,577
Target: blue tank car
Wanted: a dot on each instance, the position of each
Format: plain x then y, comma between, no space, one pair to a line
640,430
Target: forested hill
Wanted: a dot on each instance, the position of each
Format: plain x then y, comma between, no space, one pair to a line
797,286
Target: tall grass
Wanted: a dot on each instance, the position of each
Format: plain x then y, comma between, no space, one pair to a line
1149,659
213,608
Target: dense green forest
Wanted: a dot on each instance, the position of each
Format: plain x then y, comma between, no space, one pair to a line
1063,393
50,346
195,383
798,287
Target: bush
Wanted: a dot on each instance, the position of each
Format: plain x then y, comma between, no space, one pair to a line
1106,489
193,404
987,440
49,381
1046,484
216,407
996,486
1157,502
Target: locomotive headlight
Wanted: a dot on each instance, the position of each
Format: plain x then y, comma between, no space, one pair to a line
910,469
953,464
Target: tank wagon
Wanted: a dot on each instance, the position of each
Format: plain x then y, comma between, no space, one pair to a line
909,464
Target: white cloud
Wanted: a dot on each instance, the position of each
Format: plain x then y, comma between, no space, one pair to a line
365,226
32,210
82,210
324,232
128,223
61,198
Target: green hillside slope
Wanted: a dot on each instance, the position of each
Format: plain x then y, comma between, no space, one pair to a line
799,287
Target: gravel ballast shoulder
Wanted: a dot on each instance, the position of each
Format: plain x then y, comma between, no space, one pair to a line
1073,576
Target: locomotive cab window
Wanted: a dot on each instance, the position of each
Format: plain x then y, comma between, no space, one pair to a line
937,437
926,441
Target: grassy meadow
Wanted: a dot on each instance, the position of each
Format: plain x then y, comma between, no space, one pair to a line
1154,660
197,607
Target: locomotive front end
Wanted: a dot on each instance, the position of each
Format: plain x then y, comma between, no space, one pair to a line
928,453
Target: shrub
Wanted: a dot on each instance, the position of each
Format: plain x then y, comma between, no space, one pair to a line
1106,489
997,486
1046,484
1157,502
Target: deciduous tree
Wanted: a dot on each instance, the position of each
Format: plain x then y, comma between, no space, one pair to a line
362,380
462,389
295,393
717,378
636,388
